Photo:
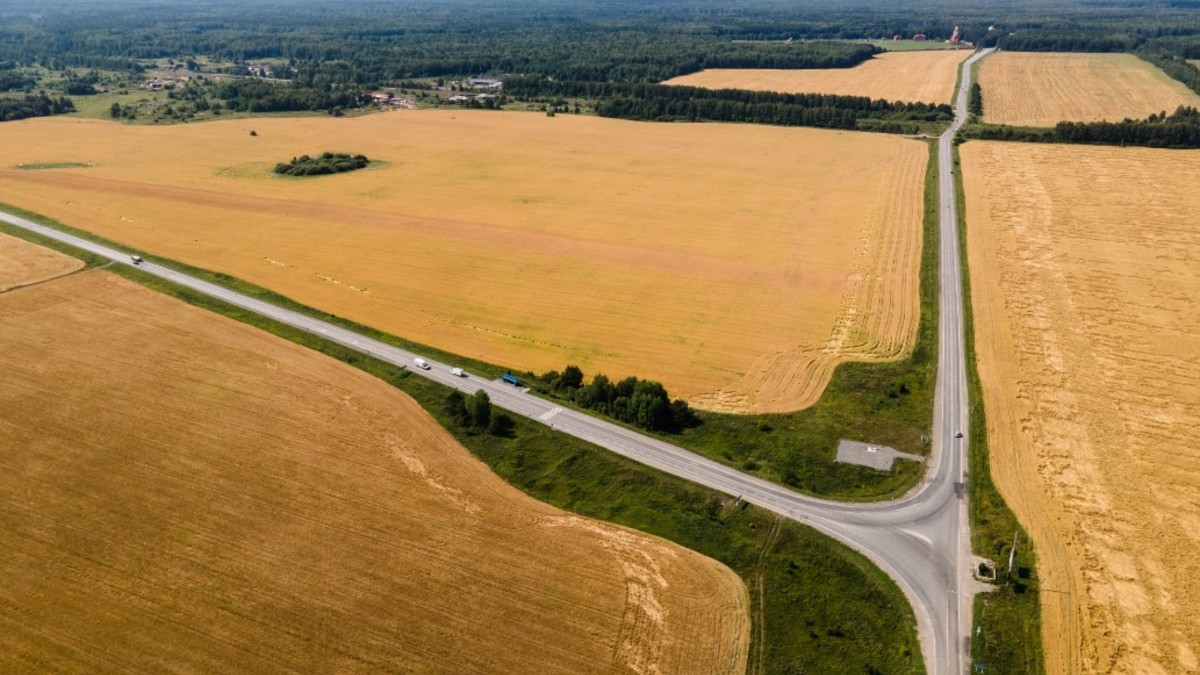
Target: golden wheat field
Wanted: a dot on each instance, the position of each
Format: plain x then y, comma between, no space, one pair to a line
1085,281
1043,89
23,263
916,76
737,264
184,493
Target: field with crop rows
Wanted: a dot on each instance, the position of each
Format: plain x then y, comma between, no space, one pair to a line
1042,89
184,493
22,263
1085,281
917,76
737,264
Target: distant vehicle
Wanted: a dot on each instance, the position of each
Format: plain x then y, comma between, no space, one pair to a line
136,259
958,434
511,379
421,363
458,372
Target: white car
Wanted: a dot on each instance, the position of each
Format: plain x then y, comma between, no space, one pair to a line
421,363
458,372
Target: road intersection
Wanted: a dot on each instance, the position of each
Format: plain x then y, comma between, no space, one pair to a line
921,540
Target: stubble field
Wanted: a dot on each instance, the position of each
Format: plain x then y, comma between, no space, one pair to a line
1085,282
23,263
1043,89
914,76
184,493
737,264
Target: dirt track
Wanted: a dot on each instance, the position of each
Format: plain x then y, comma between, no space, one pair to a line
1085,280
916,76
189,494
23,263
735,263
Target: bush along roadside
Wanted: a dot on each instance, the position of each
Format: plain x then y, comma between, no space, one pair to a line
642,403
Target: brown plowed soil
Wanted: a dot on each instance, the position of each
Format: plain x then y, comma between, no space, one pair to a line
183,493
23,263
1043,89
737,264
915,76
1085,280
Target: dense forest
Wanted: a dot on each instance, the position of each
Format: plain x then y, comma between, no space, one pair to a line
367,42
327,57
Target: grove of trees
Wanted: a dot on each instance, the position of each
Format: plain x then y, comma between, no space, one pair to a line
642,403
321,165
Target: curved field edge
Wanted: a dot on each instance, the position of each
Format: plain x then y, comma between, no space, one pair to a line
882,402
1006,626
165,464
816,605
888,403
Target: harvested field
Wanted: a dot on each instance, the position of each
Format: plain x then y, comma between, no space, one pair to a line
23,263
737,264
1043,89
1085,281
184,493
917,76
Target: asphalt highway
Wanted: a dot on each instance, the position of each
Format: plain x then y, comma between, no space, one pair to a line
920,540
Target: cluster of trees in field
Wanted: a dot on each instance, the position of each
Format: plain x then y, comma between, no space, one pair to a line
475,413
642,403
1180,129
34,105
638,101
322,165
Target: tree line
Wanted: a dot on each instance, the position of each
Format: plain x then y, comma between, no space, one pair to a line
262,96
656,102
975,100
1180,129
642,403
34,105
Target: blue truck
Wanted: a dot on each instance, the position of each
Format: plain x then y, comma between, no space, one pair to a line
511,379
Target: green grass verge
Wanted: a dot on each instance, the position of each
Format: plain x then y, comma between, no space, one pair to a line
883,403
1007,634
37,166
816,605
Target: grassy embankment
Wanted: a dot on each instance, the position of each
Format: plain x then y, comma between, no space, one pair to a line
1007,634
883,403
816,606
